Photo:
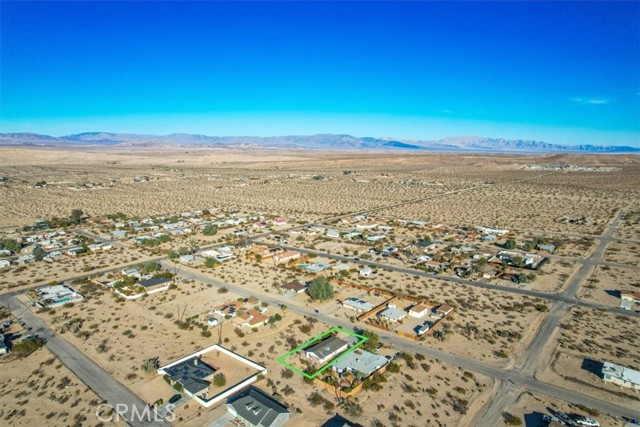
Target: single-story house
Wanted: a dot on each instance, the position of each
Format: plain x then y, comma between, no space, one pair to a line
334,234
356,304
444,310
360,361
286,256
4,263
393,314
191,260
192,375
250,318
375,238
295,287
119,234
419,310
491,238
255,409
326,349
279,221
621,375
340,267
547,248
131,272
229,309
154,282
632,296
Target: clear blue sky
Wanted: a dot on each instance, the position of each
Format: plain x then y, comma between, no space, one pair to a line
563,72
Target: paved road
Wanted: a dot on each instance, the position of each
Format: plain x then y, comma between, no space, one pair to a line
405,345
92,375
540,350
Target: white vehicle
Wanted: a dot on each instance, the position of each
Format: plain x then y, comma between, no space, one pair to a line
586,421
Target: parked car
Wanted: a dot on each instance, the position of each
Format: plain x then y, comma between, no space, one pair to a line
175,398
551,418
585,421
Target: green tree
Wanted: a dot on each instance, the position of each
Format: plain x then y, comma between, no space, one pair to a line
371,344
76,216
11,245
210,262
321,289
511,243
184,251
219,380
210,230
151,267
172,254
38,253
27,346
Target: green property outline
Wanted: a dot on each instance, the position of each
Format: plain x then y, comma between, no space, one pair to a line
317,338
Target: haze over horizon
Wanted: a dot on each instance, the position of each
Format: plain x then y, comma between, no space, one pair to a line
563,73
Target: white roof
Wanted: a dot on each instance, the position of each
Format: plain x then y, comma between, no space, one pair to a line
622,372
393,314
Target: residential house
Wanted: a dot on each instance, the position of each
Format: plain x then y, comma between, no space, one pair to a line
131,272
497,231
326,349
250,318
279,221
340,267
192,374
360,361
255,409
621,375
286,256
489,238
357,304
339,421
418,311
352,235
375,238
392,314
632,296
443,310
294,287
4,263
191,260
334,234
547,248
154,283
229,309
52,296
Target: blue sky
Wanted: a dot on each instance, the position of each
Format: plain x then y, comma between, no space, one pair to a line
563,72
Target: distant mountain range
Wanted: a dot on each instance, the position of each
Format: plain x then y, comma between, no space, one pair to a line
316,142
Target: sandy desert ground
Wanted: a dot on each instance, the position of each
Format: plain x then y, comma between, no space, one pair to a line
490,327
38,389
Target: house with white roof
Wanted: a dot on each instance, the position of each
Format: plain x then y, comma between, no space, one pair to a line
357,304
621,375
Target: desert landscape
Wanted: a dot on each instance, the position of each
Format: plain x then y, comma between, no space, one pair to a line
239,207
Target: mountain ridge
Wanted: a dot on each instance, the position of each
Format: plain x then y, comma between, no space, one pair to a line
317,141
